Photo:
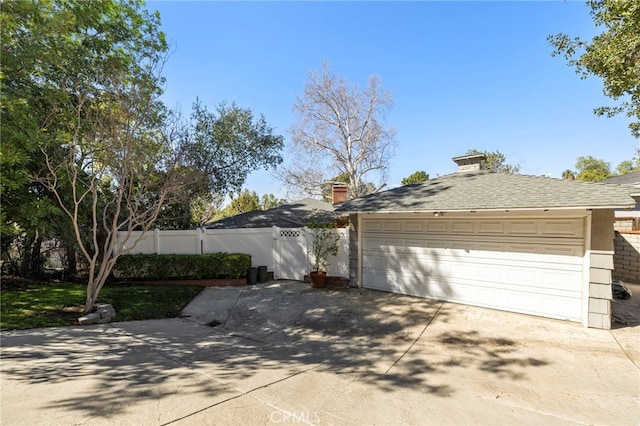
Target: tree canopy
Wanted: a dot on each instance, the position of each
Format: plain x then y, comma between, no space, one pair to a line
415,177
247,201
611,55
340,130
590,169
65,64
495,161
84,126
229,143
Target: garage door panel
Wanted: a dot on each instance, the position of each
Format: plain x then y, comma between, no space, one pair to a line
413,265
528,300
413,284
416,226
466,227
565,280
480,257
522,227
562,227
374,262
434,227
372,226
392,225
492,273
491,227
562,251
531,266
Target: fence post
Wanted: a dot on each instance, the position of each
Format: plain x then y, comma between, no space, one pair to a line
276,252
199,241
156,241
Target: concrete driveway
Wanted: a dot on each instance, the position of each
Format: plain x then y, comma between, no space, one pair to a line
283,353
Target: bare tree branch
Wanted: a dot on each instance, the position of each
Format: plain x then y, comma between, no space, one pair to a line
339,131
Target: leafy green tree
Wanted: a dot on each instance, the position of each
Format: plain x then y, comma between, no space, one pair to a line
495,161
415,177
628,166
230,143
269,201
91,76
80,92
246,201
204,208
611,55
590,169
568,175
28,214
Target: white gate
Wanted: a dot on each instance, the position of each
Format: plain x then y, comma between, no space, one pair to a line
291,254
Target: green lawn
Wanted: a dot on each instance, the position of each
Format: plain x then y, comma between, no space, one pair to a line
35,305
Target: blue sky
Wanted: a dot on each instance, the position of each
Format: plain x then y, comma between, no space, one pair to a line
463,75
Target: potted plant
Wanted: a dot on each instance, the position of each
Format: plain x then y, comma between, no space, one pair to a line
324,243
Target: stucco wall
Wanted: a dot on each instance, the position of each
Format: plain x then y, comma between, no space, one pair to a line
626,260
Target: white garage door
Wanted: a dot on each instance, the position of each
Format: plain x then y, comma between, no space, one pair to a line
532,266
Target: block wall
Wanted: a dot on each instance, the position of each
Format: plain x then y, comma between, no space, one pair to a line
626,260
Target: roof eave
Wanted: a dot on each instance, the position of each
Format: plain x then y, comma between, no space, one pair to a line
500,209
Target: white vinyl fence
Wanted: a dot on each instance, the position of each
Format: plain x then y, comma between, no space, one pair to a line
284,251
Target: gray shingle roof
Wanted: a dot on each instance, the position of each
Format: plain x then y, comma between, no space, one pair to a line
492,191
293,215
626,179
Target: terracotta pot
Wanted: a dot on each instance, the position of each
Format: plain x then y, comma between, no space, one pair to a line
318,279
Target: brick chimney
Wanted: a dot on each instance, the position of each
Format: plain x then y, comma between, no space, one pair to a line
469,163
338,193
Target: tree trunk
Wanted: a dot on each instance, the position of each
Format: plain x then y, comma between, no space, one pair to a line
31,260
71,268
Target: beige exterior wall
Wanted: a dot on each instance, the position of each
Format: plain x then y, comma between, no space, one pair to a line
627,256
353,250
600,269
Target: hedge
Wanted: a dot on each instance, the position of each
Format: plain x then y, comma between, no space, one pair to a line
181,266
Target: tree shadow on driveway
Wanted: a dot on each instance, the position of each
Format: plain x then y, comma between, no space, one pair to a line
271,334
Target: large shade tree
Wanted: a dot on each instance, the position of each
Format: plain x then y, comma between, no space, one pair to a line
81,92
220,147
612,55
340,130
592,169
29,213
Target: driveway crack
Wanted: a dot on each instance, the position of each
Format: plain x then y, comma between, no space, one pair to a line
416,339
242,394
623,350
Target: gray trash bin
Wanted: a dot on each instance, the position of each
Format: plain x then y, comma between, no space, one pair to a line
262,274
252,275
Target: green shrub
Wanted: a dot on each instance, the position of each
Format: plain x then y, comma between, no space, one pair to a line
181,266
